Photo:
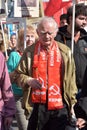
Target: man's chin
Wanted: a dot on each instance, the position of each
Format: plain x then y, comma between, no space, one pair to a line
47,43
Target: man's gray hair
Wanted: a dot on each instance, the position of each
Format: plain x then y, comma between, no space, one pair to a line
49,20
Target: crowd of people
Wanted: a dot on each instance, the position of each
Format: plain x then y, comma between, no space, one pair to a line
44,85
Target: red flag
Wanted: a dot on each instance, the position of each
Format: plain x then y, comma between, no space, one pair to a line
61,11
52,7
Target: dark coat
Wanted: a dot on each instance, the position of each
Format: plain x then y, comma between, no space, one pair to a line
80,52
81,106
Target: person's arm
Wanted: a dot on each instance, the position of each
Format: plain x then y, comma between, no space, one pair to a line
23,74
80,107
7,94
70,79
72,84
80,123
80,112
69,76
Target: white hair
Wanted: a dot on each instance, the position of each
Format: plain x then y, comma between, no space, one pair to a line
47,19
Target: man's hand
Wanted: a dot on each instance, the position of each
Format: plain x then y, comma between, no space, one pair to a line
80,123
34,83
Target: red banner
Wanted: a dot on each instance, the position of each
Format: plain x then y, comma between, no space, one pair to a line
56,7
52,7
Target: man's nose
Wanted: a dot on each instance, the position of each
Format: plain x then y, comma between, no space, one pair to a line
85,21
47,34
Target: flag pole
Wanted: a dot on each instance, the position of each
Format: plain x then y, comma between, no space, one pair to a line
4,40
72,40
24,33
73,26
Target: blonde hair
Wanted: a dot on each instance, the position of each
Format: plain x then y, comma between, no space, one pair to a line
31,29
20,42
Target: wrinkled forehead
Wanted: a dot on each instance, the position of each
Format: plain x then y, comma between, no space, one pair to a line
47,27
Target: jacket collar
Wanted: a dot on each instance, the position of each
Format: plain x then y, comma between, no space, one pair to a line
63,31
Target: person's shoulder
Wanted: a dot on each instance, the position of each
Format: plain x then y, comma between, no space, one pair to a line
65,50
1,55
14,54
62,32
83,34
63,47
29,48
63,29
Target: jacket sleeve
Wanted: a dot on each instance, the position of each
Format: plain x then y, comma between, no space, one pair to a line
22,73
73,82
6,90
80,108
81,105
70,88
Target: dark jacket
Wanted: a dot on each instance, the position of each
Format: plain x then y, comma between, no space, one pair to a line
80,52
81,106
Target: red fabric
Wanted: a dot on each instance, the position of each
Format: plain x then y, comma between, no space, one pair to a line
55,8
45,4
52,7
61,11
46,64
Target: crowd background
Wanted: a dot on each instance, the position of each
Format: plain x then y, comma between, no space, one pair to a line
15,36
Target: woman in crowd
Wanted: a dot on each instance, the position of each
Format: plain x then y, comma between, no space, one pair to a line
31,35
12,63
12,43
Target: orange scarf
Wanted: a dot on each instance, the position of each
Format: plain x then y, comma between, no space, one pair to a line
47,68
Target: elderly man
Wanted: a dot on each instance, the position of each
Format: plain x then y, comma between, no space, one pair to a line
48,68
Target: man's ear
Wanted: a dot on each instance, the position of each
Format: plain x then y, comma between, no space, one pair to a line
55,33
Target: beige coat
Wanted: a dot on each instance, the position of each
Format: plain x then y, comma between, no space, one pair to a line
24,72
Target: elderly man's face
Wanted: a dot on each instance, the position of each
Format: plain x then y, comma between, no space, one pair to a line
46,34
